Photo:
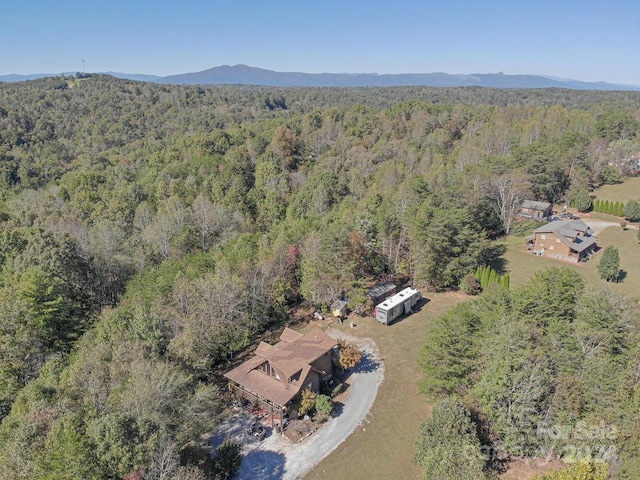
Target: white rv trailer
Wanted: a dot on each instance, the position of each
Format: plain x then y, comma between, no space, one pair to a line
397,305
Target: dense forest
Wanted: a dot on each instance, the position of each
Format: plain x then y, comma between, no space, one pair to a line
150,233
551,368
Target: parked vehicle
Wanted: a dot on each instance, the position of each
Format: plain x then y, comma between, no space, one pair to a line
397,305
257,431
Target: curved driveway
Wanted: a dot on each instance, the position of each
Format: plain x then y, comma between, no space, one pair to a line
277,458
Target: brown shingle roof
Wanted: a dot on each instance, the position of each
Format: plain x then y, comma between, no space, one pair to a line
291,358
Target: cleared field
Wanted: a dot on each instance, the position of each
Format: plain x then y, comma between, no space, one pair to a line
621,192
383,446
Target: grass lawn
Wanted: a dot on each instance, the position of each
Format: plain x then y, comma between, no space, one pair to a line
621,192
522,265
382,447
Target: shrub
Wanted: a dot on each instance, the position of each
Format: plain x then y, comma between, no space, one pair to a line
324,405
470,285
336,390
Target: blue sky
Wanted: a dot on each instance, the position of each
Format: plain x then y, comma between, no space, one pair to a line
587,40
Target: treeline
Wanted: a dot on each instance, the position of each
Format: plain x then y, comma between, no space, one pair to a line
150,233
547,370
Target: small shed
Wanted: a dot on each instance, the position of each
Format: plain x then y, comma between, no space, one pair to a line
380,292
339,308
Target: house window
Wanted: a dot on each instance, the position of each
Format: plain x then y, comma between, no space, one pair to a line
544,237
269,370
550,247
557,240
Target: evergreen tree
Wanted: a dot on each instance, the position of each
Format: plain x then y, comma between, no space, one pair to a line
227,460
484,281
582,200
492,276
609,266
632,211
448,445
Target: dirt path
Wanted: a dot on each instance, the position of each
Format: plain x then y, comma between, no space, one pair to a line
277,458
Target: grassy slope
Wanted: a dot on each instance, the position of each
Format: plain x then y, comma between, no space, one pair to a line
383,446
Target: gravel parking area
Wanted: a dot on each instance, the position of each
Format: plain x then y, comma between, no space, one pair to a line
276,457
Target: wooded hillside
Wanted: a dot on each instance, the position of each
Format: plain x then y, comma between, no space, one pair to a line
151,232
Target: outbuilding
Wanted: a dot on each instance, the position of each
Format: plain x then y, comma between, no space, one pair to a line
339,308
379,293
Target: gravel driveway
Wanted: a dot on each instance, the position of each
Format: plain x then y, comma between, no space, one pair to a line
599,225
277,458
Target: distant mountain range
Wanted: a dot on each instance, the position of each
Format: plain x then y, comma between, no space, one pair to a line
246,75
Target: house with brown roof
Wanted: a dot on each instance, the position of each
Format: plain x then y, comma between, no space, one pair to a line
571,240
535,210
278,373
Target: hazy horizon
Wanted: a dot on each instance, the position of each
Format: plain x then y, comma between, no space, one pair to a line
586,41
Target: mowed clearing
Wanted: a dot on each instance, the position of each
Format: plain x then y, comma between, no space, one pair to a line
620,192
522,265
382,447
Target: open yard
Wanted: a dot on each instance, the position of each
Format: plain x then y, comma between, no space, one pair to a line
383,445
621,192
522,265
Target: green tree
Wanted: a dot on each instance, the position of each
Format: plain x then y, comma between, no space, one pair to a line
447,445
597,205
450,355
515,386
324,405
611,175
68,453
582,200
227,460
609,266
446,243
632,211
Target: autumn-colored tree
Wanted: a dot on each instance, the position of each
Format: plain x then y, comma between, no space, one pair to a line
307,401
349,356
584,470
